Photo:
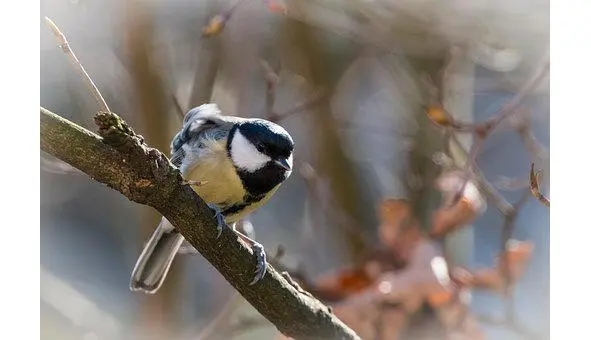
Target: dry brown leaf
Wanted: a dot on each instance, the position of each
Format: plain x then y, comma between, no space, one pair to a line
275,6
534,185
399,229
488,278
345,283
438,115
449,219
364,317
458,321
437,300
394,211
517,255
215,25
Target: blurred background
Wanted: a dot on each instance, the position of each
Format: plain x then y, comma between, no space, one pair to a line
380,97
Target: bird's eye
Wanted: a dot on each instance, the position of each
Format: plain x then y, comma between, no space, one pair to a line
261,147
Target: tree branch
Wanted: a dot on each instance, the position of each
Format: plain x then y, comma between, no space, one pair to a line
120,159
65,46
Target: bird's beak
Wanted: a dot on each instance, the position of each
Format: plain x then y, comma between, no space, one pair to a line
282,162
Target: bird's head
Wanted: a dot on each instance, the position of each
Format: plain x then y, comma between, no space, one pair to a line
262,153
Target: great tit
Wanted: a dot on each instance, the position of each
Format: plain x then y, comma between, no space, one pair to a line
235,165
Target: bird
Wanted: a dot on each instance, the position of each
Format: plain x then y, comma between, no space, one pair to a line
235,165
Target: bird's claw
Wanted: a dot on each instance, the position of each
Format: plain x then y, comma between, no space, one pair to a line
261,258
219,217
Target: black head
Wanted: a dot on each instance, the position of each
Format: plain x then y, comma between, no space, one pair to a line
262,154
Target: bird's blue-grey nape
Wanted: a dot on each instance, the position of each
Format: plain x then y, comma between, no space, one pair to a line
197,121
201,111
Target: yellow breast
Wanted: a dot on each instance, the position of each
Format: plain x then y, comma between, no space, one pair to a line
220,183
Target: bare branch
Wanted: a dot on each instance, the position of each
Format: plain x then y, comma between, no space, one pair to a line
120,159
506,234
272,79
65,46
532,145
529,87
316,99
444,119
500,202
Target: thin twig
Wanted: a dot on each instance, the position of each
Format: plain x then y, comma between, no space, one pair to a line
507,110
499,201
522,125
375,128
506,234
482,130
532,145
339,215
320,95
511,184
469,166
272,78
529,87
65,46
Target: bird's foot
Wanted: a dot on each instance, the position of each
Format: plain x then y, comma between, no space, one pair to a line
219,217
259,253
261,258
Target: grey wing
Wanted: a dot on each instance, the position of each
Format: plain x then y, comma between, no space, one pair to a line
201,122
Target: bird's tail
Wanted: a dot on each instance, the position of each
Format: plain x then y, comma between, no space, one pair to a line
155,260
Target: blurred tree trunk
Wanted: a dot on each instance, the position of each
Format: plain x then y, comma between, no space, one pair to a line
331,160
421,170
207,62
157,315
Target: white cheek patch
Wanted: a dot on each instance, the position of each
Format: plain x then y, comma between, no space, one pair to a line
245,155
290,162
